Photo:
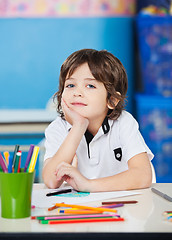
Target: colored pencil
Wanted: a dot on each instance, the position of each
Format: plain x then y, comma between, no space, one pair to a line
113,205
119,202
33,159
81,216
18,155
10,164
82,220
6,156
45,221
29,155
2,164
168,212
42,217
98,209
52,208
19,165
169,219
14,155
72,211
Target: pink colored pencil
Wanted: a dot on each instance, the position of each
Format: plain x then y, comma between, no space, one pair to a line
82,216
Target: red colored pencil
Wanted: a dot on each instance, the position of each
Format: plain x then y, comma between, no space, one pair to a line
52,208
19,165
86,220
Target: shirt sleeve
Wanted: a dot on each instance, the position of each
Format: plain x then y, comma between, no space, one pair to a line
131,138
55,134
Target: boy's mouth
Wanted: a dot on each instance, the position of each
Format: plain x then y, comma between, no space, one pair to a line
78,104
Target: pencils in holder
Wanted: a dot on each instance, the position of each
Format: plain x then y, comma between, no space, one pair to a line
13,164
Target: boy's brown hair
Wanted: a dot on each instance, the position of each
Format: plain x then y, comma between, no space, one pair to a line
106,68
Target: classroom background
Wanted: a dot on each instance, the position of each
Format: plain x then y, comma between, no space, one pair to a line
36,36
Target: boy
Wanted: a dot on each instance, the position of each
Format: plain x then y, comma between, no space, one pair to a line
94,128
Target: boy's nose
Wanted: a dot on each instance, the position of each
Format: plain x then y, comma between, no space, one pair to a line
78,93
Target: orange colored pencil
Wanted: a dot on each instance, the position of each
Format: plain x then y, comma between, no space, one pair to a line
72,211
97,209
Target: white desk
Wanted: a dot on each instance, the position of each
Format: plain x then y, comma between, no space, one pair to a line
142,217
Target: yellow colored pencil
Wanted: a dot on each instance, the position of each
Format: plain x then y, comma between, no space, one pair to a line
33,159
6,155
98,209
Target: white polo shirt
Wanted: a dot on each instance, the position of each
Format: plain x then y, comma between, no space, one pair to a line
105,154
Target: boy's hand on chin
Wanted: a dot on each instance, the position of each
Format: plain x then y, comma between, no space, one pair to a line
72,116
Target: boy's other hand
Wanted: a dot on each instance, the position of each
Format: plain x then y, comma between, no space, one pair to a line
72,176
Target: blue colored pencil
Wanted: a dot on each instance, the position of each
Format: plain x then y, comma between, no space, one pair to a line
10,170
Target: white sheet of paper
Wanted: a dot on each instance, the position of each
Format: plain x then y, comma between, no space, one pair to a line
39,198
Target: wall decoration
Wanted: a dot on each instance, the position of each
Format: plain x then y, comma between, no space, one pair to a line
66,8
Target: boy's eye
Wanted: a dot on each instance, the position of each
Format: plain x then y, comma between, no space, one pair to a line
90,86
70,85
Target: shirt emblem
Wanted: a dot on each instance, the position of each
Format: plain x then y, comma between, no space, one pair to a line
118,154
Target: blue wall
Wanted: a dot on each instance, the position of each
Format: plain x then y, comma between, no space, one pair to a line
32,51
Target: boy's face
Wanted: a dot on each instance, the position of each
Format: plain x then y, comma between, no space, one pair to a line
85,95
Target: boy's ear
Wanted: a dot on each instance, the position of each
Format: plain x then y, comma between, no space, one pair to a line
112,102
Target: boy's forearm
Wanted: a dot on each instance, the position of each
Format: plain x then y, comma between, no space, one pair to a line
128,180
65,153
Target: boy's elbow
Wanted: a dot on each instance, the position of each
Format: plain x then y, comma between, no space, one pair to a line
50,182
146,180
147,183
47,176
47,180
